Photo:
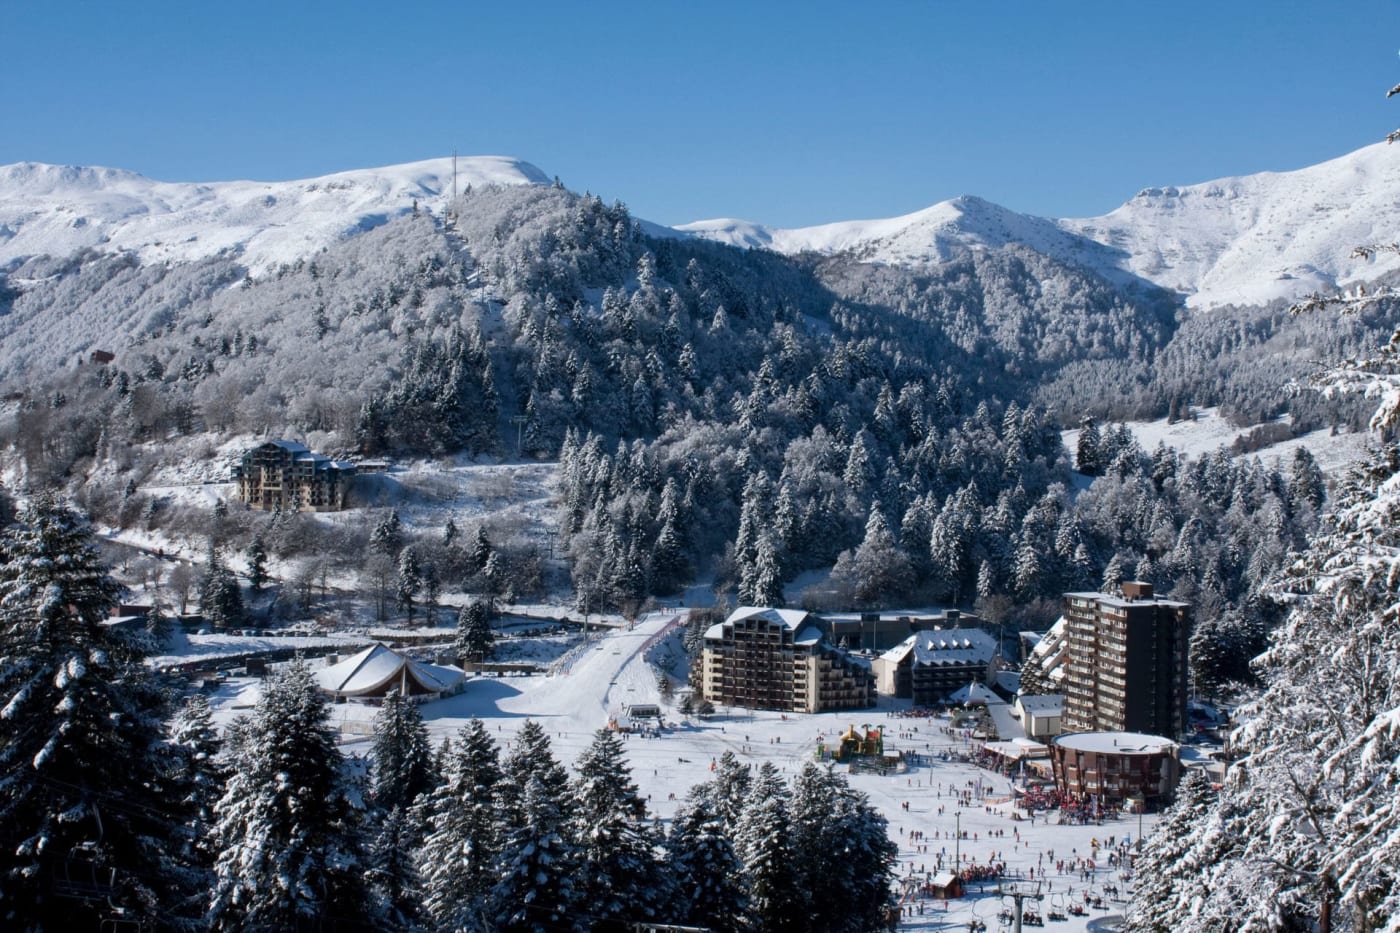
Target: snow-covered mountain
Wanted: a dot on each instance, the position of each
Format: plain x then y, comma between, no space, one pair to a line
58,210
1243,240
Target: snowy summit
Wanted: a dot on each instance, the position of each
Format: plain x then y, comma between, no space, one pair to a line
1242,240
59,210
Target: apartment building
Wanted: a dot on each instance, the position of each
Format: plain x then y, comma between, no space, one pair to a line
930,666
764,658
1125,662
286,475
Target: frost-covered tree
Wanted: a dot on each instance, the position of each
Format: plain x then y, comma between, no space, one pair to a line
458,859
1168,877
620,877
539,888
80,736
256,554
763,840
392,871
220,598
843,856
288,841
403,760
530,757
709,889
387,536
474,635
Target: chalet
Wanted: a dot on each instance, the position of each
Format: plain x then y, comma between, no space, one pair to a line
286,475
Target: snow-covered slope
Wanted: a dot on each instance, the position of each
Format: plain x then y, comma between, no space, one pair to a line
1251,239
58,210
1244,240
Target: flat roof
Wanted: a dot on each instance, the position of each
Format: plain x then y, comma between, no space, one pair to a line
1109,743
1120,602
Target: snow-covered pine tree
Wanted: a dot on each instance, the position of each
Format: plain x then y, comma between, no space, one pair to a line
256,554
620,877
474,636
530,756
403,766
763,842
458,859
728,790
1167,878
1311,810
709,889
195,779
287,838
539,887
843,859
220,599
80,735
392,870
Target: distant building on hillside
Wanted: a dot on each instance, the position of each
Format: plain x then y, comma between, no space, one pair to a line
286,475
781,659
1125,662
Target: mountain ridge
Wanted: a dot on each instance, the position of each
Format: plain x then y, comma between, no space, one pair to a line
1247,239
58,210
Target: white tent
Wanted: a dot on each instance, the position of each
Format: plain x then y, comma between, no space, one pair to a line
377,670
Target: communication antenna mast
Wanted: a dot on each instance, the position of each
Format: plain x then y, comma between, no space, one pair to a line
454,174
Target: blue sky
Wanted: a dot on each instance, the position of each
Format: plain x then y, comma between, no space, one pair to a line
783,113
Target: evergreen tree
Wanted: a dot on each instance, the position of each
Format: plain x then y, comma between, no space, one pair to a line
220,599
620,877
257,564
530,757
387,536
392,871
539,887
196,782
708,876
459,857
1089,458
475,639
1168,878
728,790
80,736
409,581
763,840
402,756
761,581
845,859
289,848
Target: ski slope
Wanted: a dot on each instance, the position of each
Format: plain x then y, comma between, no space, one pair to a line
610,671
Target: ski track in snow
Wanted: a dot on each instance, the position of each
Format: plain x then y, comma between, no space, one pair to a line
611,672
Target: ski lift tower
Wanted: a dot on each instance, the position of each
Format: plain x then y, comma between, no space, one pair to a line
1018,892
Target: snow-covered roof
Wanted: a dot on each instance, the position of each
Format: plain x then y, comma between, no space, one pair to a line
808,635
790,618
377,670
291,447
945,646
1126,743
1049,704
975,693
1119,602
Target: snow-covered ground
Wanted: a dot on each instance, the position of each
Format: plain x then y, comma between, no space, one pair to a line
1208,432
609,672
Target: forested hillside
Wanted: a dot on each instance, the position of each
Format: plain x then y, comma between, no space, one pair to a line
714,410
